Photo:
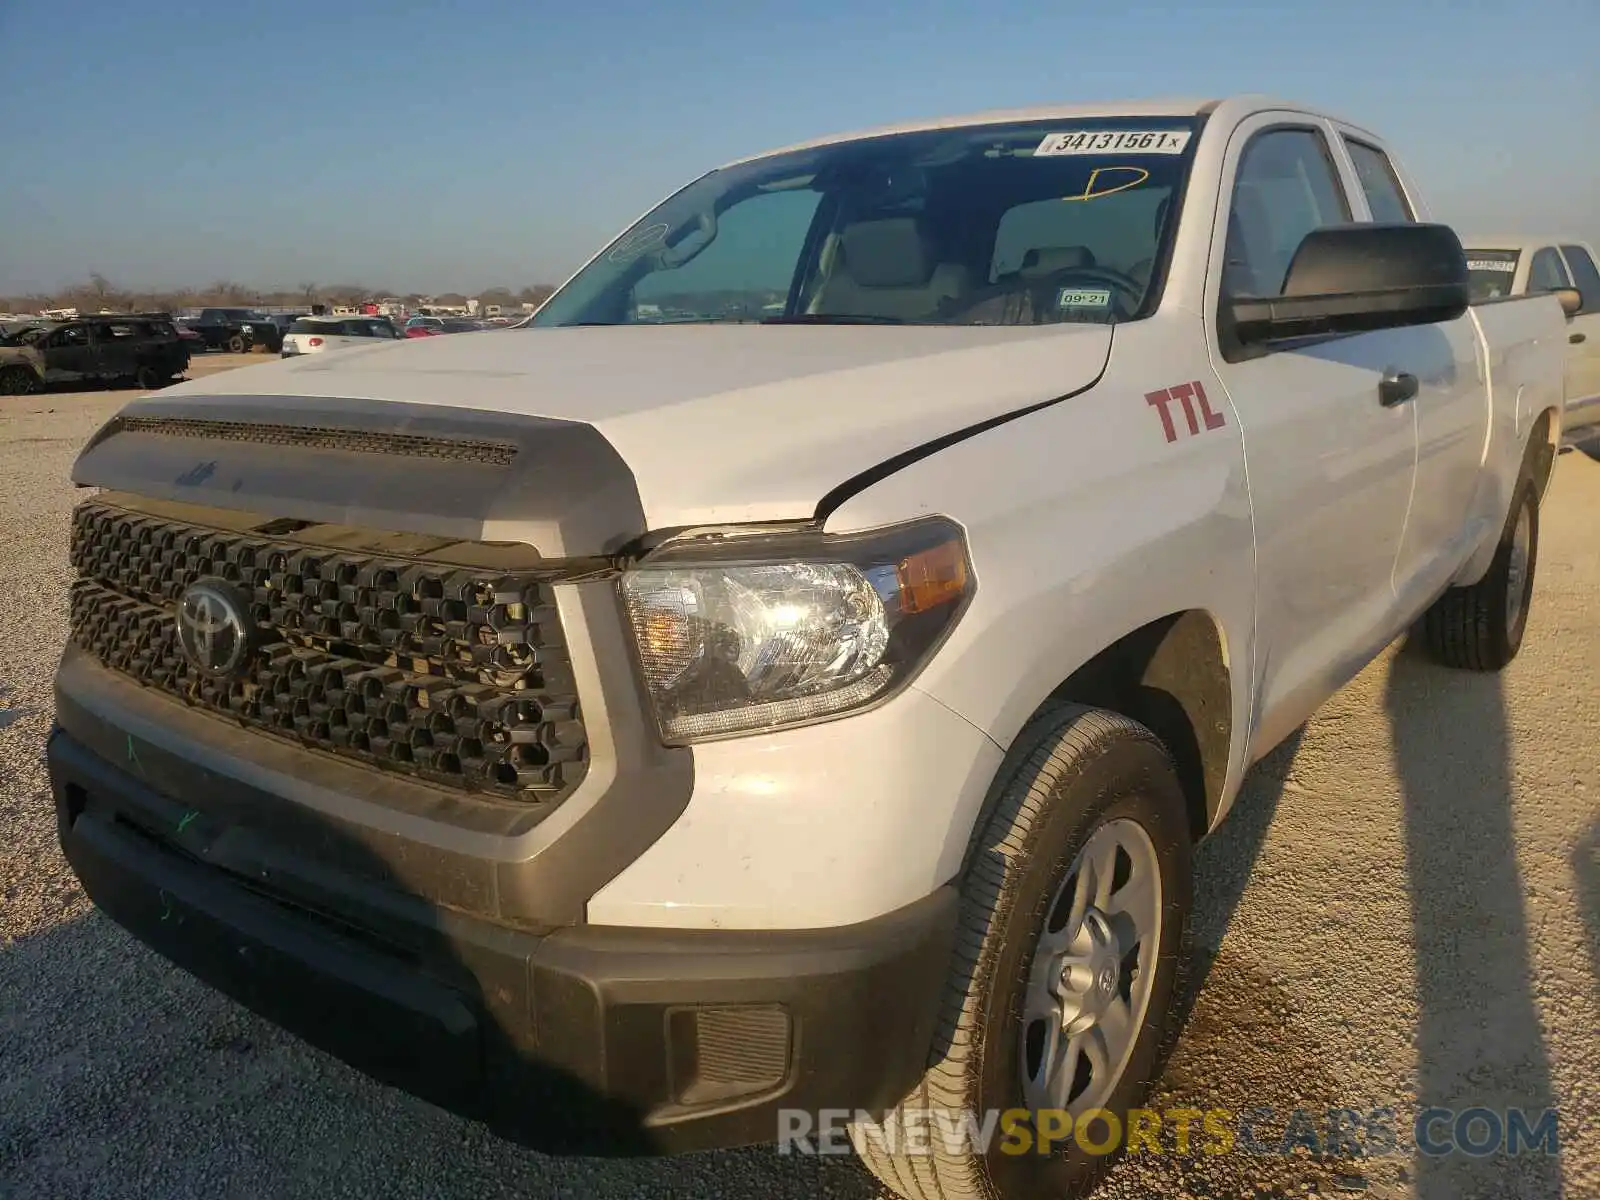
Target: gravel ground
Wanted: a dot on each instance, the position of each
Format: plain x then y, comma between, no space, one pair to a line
1403,910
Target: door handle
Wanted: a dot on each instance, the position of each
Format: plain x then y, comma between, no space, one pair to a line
1577,339
1396,387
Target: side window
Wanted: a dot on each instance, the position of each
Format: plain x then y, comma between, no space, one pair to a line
1546,272
1286,187
1585,276
1380,184
747,265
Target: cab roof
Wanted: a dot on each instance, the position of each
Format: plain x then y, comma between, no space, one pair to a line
1171,106
1513,241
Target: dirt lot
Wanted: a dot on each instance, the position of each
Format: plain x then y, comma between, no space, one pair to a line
1403,910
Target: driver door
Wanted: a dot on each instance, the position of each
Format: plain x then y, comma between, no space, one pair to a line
1330,467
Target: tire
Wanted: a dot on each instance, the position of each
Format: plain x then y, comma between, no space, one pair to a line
237,344
19,381
148,378
1077,776
1480,628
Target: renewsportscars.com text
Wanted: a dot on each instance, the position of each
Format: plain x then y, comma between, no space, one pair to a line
1341,1132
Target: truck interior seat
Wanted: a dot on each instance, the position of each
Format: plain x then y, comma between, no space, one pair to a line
886,268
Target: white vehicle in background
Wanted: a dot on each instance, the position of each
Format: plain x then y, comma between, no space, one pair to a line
1500,267
632,733
313,335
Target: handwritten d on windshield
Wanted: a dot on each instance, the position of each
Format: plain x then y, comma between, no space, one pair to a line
1127,177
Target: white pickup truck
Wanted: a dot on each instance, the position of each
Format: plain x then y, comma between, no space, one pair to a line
793,672
1501,267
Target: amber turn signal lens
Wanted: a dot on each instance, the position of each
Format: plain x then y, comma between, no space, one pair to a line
931,577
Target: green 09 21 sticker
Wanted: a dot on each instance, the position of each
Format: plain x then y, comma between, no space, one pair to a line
1083,298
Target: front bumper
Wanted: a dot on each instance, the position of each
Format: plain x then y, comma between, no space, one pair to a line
578,1039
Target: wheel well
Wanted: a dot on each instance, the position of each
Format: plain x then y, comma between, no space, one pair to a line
1539,459
1172,677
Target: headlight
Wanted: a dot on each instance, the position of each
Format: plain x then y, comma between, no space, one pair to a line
757,631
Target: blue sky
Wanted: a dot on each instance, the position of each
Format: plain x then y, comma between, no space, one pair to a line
462,145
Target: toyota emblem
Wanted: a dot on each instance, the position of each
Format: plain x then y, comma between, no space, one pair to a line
214,627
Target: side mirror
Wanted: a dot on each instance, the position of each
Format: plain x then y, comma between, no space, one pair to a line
1571,301
1356,278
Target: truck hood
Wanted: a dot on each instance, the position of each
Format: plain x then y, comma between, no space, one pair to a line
715,424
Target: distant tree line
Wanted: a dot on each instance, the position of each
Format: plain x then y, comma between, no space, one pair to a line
98,293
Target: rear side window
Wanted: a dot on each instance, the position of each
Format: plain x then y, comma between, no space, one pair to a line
1584,275
1546,272
1286,187
1380,184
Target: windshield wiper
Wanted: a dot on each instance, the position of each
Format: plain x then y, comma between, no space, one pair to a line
831,319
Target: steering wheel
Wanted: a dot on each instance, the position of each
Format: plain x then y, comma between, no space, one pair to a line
1042,290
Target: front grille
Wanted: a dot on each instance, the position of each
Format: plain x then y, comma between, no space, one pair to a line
458,676
413,445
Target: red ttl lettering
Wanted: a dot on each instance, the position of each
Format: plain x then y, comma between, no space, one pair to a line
1185,394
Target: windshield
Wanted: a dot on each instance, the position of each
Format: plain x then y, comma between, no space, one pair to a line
1490,272
1030,223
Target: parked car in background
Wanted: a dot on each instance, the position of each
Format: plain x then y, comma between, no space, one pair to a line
143,348
434,326
237,330
1521,266
313,335
282,321
189,337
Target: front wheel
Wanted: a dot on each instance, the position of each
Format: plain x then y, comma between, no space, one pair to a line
1058,1008
19,381
1480,628
237,344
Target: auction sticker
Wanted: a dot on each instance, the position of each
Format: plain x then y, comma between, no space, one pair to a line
1508,265
1115,141
1083,298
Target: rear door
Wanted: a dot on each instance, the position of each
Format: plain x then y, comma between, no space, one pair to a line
1451,401
1583,336
117,348
1330,466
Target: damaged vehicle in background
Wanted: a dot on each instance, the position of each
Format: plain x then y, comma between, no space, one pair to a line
139,348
